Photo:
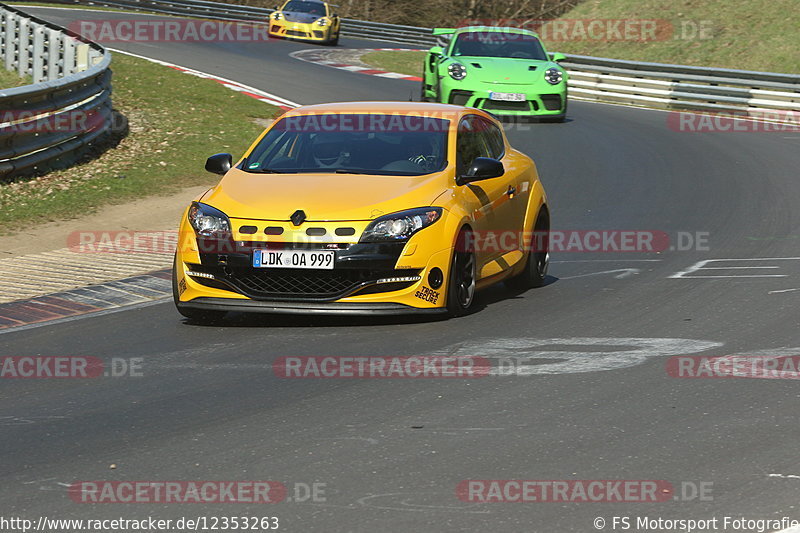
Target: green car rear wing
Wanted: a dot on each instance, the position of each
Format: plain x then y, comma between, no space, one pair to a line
444,31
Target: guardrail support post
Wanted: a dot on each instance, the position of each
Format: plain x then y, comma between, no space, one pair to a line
38,53
24,46
69,55
54,45
81,57
11,43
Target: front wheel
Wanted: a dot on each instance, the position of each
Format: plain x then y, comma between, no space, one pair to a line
423,97
334,41
535,271
463,274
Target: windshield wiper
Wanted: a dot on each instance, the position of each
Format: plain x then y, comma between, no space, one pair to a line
271,171
351,171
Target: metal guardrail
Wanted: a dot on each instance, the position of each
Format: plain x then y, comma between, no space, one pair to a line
599,79
680,87
361,29
66,111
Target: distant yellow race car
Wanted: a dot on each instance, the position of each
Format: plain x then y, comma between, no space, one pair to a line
364,208
307,20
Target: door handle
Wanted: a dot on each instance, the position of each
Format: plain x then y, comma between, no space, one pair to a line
511,191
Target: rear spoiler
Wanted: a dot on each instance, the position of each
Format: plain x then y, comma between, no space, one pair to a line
444,31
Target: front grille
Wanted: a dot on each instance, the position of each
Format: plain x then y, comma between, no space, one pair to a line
321,284
299,284
296,33
499,105
357,267
552,102
459,97
318,34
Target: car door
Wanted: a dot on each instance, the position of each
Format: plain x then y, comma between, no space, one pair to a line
487,200
518,191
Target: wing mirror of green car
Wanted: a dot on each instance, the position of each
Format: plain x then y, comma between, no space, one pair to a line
437,50
558,57
219,163
482,168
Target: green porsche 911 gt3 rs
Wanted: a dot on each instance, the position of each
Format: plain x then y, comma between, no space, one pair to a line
505,71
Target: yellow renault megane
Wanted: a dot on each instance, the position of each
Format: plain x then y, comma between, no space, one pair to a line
364,208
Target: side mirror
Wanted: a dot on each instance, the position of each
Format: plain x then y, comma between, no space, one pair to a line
482,168
219,163
437,50
558,57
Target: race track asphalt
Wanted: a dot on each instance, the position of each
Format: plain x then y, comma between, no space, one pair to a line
595,403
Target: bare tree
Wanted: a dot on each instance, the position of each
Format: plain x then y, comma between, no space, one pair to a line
430,13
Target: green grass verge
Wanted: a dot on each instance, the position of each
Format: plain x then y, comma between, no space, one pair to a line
754,35
10,79
403,62
176,122
83,7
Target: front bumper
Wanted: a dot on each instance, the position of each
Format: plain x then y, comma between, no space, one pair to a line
540,99
390,278
300,31
307,308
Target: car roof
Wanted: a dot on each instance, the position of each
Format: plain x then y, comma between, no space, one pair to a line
495,29
413,108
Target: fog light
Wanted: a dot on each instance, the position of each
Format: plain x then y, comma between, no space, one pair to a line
435,278
200,275
398,280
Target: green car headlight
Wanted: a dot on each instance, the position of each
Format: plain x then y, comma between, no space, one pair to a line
553,76
457,71
400,226
209,222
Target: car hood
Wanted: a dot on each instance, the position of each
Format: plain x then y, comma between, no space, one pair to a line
323,197
504,70
296,16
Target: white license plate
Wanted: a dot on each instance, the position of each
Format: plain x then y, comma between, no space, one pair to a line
310,259
507,97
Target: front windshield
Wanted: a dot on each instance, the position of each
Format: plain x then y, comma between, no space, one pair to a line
398,145
299,6
499,44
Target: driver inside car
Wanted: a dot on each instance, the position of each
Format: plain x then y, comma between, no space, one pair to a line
329,151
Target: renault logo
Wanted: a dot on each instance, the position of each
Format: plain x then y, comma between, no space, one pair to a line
298,217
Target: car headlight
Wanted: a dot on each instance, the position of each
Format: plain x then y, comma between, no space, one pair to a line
322,22
553,76
209,222
457,71
277,16
400,226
